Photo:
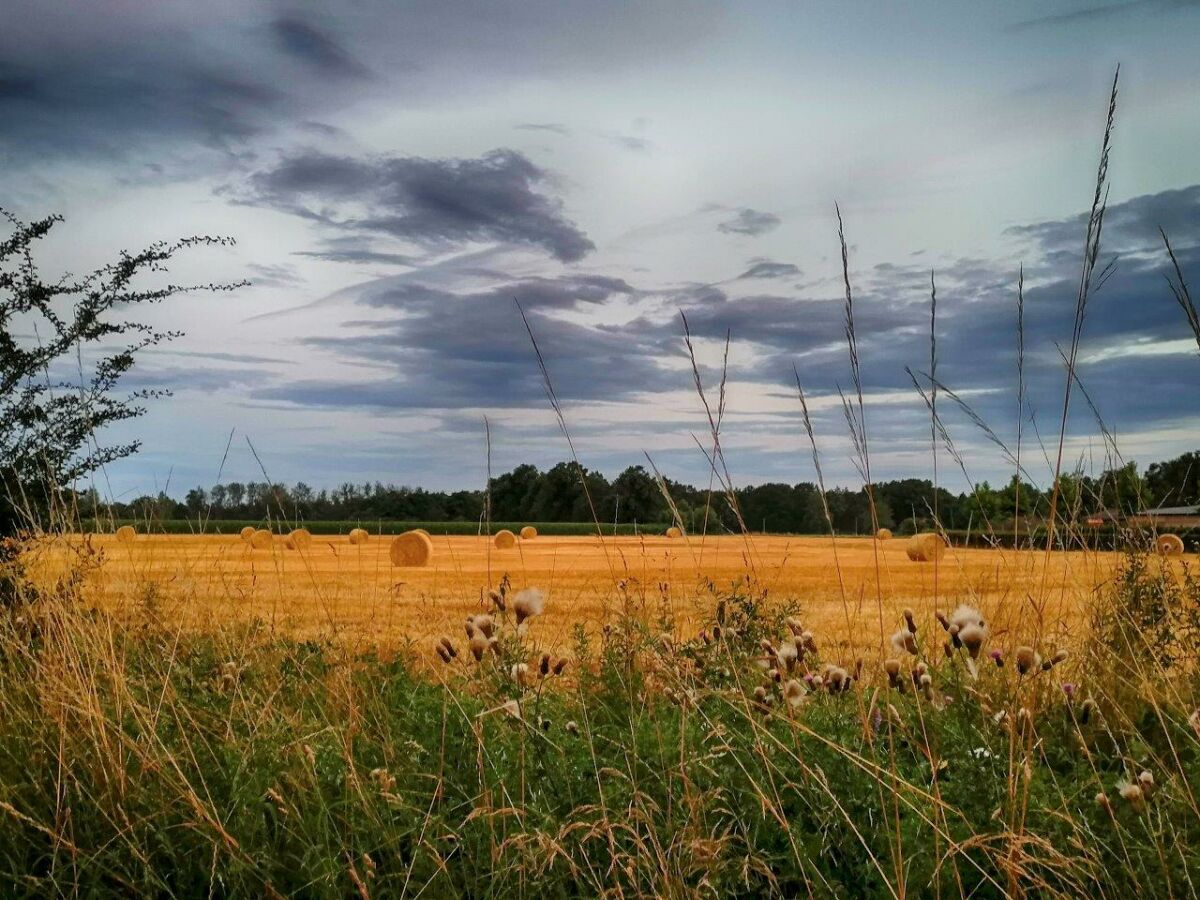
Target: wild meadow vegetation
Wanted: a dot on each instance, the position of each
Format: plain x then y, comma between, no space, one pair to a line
748,756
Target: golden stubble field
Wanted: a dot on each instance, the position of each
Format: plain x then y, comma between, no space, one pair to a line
850,591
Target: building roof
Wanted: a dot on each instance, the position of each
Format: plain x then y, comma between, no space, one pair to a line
1172,511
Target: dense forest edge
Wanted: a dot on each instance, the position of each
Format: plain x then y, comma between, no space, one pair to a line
633,503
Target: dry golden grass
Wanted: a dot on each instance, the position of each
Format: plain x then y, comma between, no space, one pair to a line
352,590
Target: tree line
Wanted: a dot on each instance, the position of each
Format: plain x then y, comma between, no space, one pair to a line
529,494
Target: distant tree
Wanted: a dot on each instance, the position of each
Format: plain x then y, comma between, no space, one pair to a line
512,494
770,507
1174,482
850,510
637,497
302,493
65,345
237,493
1121,488
559,495
913,501
599,493
196,500
465,505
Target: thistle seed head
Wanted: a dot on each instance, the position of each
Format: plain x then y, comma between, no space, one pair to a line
787,656
482,623
528,603
972,637
794,693
478,646
904,641
1027,659
1132,793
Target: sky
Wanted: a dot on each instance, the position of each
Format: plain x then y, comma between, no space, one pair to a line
399,176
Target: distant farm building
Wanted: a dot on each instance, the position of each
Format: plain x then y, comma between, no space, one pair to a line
1168,518
1164,518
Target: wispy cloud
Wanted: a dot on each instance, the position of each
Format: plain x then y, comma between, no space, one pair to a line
765,268
306,42
1101,13
752,222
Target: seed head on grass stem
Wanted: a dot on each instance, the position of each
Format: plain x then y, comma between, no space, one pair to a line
478,646
904,641
1027,660
528,603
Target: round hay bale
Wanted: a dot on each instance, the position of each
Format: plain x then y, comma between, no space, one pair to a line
126,533
411,549
1169,545
528,533
359,535
504,539
262,539
674,532
300,537
247,533
925,547
884,534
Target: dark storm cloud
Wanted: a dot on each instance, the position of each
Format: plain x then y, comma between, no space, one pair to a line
765,268
499,196
73,108
450,349
132,80
751,222
310,45
1129,226
475,343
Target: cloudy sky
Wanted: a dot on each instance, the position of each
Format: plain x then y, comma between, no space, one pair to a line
397,174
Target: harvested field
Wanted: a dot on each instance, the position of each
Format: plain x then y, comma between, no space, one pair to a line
353,591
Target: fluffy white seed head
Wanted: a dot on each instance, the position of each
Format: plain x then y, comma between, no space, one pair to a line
528,603
904,641
478,646
794,693
1027,659
965,615
972,635
788,656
